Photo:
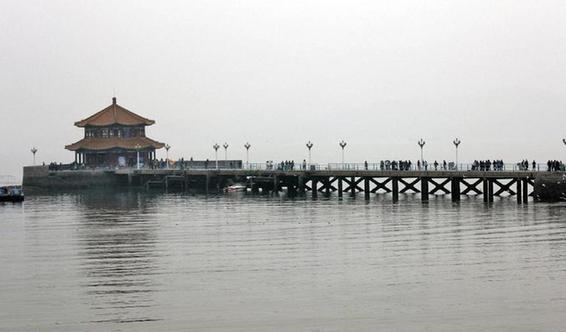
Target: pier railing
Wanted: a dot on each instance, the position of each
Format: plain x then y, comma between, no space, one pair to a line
357,167
387,166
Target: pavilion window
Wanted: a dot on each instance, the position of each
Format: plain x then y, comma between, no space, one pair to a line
104,133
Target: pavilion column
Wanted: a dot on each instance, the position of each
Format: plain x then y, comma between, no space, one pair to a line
76,156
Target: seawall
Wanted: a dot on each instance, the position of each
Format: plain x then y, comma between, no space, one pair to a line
41,178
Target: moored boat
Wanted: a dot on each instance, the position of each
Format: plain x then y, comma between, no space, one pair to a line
11,194
238,187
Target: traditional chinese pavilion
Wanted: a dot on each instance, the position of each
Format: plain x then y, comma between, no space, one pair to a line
113,137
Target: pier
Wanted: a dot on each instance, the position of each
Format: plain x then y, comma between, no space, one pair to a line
353,183
114,151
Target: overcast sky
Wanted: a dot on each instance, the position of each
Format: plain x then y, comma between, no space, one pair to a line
379,74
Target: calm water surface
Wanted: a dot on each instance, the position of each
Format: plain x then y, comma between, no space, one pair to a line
141,262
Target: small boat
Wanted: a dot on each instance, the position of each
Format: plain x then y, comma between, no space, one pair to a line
11,194
238,187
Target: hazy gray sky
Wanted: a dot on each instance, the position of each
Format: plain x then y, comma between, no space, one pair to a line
379,74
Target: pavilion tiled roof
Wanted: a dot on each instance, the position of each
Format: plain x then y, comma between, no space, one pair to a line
114,114
99,144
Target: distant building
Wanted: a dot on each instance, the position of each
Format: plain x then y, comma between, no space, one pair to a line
113,137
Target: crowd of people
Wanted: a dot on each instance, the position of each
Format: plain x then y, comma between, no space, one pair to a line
384,165
288,165
488,165
524,165
57,167
161,163
555,166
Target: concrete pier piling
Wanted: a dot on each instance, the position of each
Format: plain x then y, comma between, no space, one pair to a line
395,189
455,189
314,188
275,184
424,189
525,191
519,192
353,187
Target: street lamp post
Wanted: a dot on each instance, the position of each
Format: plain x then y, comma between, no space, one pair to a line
33,151
456,143
342,144
215,147
225,145
138,147
421,143
309,146
247,146
167,147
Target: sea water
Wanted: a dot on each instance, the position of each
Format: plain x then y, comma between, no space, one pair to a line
138,261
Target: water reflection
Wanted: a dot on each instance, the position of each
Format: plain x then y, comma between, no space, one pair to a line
118,255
